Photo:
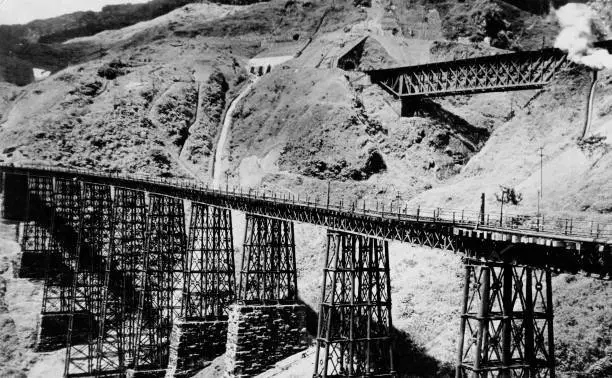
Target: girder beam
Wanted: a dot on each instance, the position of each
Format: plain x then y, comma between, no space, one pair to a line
504,72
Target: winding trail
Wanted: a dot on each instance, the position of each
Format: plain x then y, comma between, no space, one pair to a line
217,170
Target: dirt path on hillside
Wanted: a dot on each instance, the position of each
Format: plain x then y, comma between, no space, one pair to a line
220,164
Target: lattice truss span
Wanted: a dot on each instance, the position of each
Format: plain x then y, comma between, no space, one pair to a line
506,323
210,284
478,75
268,272
354,331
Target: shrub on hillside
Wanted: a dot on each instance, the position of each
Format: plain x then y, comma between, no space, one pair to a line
112,70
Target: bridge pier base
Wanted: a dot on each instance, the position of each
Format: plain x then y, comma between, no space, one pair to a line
209,289
267,324
506,327
354,331
258,336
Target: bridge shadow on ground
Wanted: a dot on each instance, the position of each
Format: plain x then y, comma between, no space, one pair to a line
475,136
410,359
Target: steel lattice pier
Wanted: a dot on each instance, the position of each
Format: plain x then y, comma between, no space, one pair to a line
354,331
210,285
36,239
160,301
506,322
268,267
67,221
94,250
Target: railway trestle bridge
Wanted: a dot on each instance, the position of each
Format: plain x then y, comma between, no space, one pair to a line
139,277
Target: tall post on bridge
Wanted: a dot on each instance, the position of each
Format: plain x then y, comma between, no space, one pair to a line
354,329
506,322
268,323
481,215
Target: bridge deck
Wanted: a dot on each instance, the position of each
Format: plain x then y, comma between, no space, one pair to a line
585,244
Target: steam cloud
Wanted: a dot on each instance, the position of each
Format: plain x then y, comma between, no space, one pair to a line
576,36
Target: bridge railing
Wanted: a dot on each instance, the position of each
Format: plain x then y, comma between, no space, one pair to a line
537,225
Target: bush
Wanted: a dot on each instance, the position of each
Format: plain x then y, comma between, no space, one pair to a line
112,70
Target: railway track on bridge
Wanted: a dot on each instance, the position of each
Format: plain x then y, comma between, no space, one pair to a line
561,244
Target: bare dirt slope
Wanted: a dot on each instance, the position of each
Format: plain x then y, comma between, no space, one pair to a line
307,124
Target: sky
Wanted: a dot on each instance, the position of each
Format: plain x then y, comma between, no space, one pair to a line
23,11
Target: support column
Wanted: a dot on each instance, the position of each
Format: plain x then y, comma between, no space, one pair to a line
506,322
268,324
36,241
122,284
160,302
354,332
210,287
94,249
60,267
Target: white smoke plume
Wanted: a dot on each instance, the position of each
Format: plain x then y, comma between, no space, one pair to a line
577,37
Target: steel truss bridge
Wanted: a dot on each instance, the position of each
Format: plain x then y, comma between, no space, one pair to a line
124,270
495,73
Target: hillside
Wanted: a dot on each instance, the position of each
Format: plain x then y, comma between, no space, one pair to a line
156,102
39,43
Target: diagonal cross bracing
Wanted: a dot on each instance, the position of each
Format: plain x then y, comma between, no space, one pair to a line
163,267
268,262
210,284
504,72
94,249
354,331
115,345
67,215
506,322
36,241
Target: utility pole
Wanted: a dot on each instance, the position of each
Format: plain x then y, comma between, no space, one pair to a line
481,218
328,190
540,193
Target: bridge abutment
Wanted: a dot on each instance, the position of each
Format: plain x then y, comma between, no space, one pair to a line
506,326
267,324
354,331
